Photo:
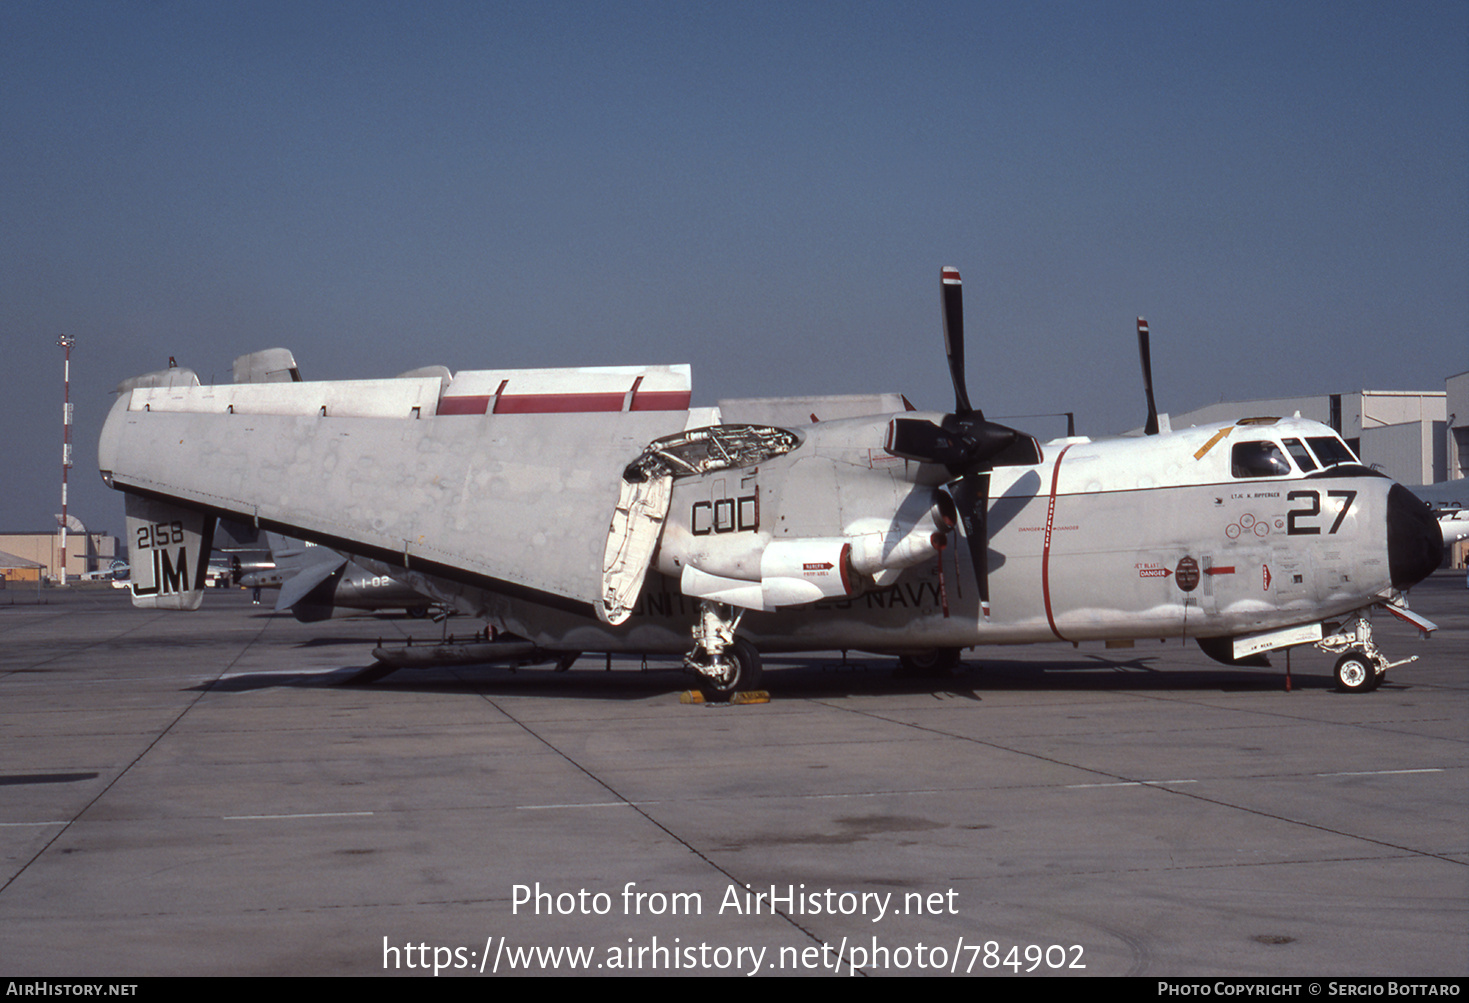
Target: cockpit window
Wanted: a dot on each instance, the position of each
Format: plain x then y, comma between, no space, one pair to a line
1330,450
1259,459
1300,454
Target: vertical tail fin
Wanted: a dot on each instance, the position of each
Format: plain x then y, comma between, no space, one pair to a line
168,548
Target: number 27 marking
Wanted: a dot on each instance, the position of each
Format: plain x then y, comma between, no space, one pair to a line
1313,509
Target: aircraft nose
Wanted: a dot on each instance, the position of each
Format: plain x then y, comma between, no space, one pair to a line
1414,542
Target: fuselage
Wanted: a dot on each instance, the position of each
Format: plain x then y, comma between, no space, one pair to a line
824,535
1212,531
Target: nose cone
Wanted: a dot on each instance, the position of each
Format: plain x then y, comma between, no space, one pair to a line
1414,542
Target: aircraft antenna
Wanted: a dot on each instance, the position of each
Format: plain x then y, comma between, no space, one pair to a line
1145,353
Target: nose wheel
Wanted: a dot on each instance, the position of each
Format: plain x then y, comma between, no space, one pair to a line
1356,674
1361,667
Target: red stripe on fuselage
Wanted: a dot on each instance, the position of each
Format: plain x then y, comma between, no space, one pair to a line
1046,545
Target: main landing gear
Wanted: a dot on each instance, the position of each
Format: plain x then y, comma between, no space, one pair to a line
937,663
724,663
1361,667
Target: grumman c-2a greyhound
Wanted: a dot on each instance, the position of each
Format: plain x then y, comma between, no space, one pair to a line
589,510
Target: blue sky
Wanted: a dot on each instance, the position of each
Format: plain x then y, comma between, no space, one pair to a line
765,191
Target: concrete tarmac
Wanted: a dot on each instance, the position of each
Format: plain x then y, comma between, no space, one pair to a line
207,794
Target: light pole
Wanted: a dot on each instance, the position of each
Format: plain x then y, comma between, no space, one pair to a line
65,341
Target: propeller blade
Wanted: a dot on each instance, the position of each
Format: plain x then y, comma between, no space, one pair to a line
964,442
973,504
1151,428
951,289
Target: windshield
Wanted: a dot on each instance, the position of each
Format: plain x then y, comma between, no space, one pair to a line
1300,454
1330,450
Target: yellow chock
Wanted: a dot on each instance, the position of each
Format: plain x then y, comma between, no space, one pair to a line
746,697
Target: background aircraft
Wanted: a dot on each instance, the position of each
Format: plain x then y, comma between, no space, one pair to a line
316,583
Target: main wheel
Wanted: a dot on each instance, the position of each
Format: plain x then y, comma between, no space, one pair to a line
1355,674
929,664
740,671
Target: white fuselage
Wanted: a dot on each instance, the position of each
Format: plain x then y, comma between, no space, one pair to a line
1113,539
503,512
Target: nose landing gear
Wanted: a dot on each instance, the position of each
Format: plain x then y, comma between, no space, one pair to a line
1361,667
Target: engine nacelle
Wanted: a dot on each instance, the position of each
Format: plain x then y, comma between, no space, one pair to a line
883,548
792,573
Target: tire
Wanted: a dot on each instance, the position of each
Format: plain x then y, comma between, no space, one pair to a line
1355,674
933,664
744,674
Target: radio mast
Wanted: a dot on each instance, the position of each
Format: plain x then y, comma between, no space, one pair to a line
65,341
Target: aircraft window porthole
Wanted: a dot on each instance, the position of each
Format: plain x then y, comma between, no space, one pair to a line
1259,459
